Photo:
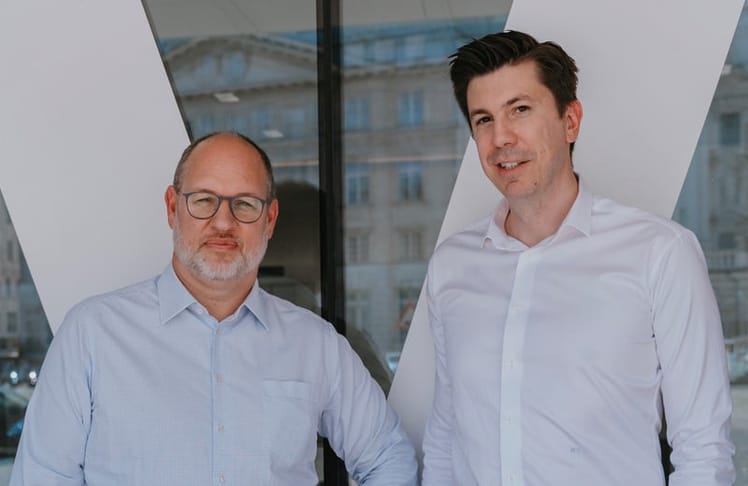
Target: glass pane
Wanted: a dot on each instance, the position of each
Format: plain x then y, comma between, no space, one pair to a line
714,205
24,338
403,141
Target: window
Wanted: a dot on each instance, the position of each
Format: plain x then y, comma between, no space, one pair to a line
234,67
411,181
357,184
357,114
357,308
411,109
207,68
294,122
260,123
357,248
729,129
10,253
12,323
411,245
205,124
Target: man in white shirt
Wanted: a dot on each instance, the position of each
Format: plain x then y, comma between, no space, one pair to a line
565,325
198,376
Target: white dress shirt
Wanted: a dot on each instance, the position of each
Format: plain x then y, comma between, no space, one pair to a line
142,386
555,363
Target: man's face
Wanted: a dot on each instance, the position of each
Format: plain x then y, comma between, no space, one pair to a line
522,141
221,248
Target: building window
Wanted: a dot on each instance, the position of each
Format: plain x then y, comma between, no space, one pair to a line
357,309
207,68
729,129
357,184
294,122
260,120
357,248
10,251
411,181
407,297
12,323
357,114
411,244
384,50
411,109
234,67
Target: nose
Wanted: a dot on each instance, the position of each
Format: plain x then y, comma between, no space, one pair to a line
223,219
503,133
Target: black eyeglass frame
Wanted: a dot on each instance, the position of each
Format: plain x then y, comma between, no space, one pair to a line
230,199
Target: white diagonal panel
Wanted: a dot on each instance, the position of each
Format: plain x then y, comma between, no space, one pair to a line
648,71
89,136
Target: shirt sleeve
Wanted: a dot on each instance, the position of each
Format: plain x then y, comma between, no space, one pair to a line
695,384
52,447
362,428
437,441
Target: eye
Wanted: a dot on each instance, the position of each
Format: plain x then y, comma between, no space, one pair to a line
522,109
247,204
203,199
481,120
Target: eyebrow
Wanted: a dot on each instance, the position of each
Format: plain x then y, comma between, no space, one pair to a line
509,102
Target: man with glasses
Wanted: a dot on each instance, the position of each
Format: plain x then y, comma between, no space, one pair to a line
198,376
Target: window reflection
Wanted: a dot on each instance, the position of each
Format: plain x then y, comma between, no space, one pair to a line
714,204
403,140
24,338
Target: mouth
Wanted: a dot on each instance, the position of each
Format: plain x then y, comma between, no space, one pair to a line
221,243
509,165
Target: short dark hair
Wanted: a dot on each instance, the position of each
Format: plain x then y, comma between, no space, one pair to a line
556,69
178,173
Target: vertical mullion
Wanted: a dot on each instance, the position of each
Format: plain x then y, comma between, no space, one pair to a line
331,188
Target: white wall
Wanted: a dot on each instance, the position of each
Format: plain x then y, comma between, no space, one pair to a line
89,135
648,71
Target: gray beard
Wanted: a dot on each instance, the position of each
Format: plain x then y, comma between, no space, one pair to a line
240,266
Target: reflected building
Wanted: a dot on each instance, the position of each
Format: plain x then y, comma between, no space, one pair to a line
403,141
714,200
24,330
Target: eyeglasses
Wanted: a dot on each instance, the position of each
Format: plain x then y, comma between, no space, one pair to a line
204,205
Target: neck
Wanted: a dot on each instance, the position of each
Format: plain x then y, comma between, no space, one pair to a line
220,298
534,219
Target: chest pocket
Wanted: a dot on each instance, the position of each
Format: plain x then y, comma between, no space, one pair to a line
291,414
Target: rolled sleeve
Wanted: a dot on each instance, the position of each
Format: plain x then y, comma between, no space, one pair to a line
361,427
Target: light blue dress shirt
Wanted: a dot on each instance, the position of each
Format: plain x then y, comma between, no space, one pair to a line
555,363
142,386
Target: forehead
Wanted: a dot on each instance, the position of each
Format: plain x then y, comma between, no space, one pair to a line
225,163
507,83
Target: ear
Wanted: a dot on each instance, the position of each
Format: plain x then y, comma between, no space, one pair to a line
272,215
170,198
573,118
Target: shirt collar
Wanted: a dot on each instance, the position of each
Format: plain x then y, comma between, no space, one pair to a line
257,303
578,218
173,298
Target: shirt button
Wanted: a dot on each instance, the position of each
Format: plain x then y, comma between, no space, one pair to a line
219,378
220,428
221,478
